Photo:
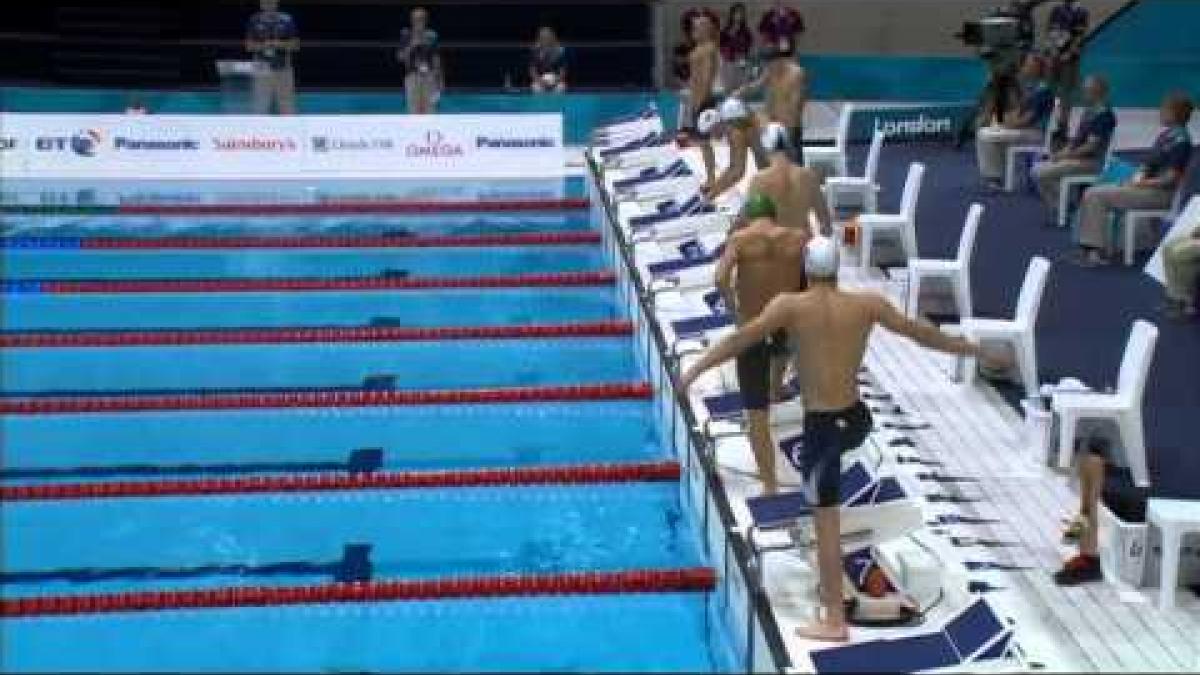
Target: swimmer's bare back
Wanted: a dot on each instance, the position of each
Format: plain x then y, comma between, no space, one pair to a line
796,192
829,329
769,260
785,96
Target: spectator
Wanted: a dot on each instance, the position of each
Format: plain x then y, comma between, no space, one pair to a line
780,26
1084,154
1065,32
1181,260
135,107
1023,126
1152,187
548,63
418,53
736,44
272,38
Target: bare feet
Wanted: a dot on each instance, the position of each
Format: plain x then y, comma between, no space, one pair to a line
823,632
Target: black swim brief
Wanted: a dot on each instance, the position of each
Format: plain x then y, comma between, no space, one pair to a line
796,137
754,370
828,434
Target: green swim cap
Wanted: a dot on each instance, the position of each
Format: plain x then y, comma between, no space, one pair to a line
758,205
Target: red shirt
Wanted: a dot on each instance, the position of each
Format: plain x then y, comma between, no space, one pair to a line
781,26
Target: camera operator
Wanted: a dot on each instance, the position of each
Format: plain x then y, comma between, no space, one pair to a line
1024,125
1004,37
1065,33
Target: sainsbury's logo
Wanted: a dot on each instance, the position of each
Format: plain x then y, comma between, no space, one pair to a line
433,145
255,144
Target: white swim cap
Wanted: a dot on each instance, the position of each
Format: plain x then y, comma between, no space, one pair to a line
775,138
821,258
733,109
707,121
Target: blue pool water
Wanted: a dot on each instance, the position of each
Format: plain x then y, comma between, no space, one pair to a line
427,437
56,547
455,364
326,263
421,308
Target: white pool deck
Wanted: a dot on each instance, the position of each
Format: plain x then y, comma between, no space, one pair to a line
1099,627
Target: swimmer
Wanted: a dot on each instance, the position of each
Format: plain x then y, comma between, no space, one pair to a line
768,260
424,79
795,190
828,329
742,132
703,62
786,85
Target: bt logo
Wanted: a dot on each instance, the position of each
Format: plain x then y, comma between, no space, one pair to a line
85,143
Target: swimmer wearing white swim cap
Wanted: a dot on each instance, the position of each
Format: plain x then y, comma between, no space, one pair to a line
742,133
795,189
786,86
829,329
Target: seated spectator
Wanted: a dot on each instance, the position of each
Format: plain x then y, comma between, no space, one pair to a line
736,44
547,63
1181,259
1024,126
1152,187
779,27
1084,154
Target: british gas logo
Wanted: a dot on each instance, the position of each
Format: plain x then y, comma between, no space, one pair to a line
433,145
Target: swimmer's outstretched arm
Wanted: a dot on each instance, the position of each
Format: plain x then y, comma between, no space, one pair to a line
773,317
920,331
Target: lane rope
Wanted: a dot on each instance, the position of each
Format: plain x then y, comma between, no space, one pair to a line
319,241
381,283
239,336
318,399
571,474
694,579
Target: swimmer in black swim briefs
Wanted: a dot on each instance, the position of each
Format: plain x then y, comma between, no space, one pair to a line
828,434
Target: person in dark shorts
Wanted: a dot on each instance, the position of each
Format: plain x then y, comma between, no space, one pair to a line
766,258
828,329
1094,456
703,64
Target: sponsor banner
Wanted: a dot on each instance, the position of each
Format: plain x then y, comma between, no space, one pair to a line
908,122
311,146
89,192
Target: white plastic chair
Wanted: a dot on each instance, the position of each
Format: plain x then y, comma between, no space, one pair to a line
1124,406
832,155
1135,217
866,185
1070,184
904,222
956,271
1019,331
1012,152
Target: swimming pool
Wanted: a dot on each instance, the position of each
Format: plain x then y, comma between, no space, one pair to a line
138,546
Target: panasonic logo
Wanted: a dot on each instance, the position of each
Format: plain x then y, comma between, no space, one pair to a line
490,142
122,143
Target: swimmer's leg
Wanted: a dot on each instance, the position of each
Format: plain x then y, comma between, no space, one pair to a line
758,428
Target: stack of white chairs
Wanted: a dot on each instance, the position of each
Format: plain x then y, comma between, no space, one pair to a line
956,272
866,186
903,223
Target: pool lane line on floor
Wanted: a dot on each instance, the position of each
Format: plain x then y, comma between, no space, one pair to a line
379,283
317,398
563,474
322,208
694,579
222,242
303,334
